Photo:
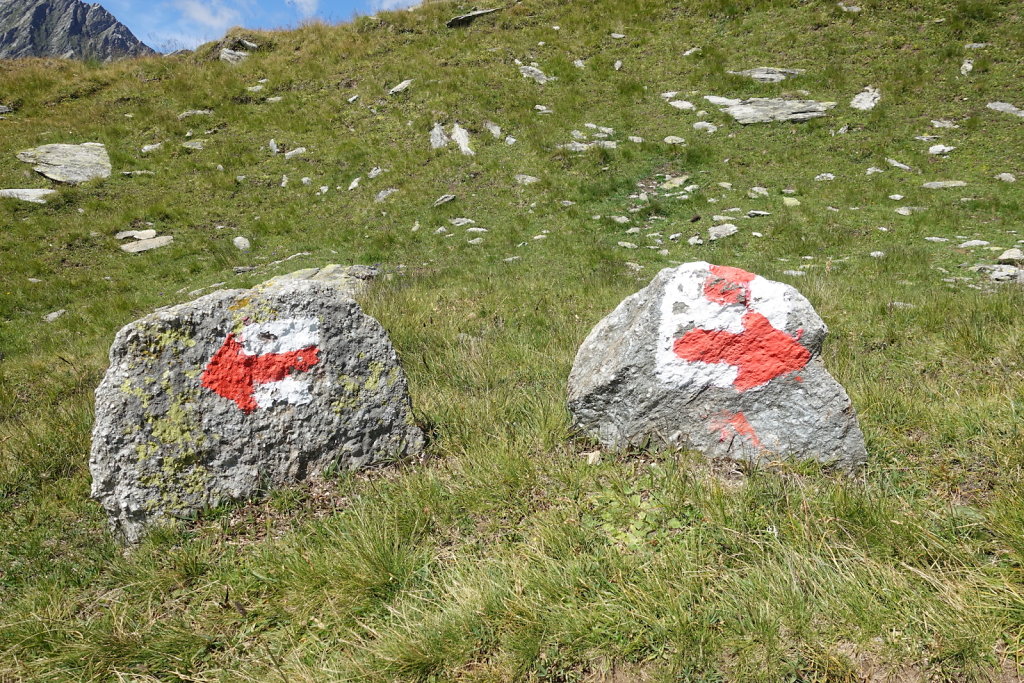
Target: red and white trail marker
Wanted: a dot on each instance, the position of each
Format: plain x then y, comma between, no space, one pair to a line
262,365
735,332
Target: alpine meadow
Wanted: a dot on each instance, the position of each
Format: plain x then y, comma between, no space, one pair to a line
512,177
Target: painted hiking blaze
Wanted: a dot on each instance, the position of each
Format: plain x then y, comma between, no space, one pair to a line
256,368
719,360
734,337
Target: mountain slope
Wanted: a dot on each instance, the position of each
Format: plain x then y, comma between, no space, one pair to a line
64,28
508,556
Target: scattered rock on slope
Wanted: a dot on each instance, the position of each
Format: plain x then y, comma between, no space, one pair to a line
28,195
469,17
1006,108
768,74
717,359
233,56
866,99
765,110
214,400
69,163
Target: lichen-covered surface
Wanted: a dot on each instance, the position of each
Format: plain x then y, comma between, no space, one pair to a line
720,360
220,398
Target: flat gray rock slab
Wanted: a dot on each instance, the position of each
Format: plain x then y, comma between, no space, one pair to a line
469,17
28,195
147,244
239,391
718,360
866,99
351,281
69,163
768,74
1006,108
766,110
233,56
943,184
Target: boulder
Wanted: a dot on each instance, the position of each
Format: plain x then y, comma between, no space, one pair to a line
766,110
716,359
218,399
69,163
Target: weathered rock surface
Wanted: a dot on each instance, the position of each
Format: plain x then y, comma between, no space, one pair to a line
147,243
469,17
768,74
28,195
1006,108
766,110
215,400
866,99
64,28
719,360
69,163
233,56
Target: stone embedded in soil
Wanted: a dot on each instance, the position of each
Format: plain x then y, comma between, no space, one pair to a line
35,196
766,110
147,244
219,399
943,184
768,74
1006,108
401,87
233,56
866,99
69,163
719,360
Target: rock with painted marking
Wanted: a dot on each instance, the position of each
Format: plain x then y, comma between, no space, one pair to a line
719,360
69,163
239,391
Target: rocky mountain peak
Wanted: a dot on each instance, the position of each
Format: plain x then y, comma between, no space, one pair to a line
64,28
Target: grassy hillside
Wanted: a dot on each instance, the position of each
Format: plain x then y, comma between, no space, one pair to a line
507,556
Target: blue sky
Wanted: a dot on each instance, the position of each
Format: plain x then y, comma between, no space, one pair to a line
168,25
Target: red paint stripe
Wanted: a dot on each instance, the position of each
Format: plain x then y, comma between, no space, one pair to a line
234,374
761,352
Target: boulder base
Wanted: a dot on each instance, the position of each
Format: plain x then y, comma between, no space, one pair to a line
221,398
719,360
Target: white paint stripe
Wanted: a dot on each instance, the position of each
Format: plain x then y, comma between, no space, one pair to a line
280,336
288,390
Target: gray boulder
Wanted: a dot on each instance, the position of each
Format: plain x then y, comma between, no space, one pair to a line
69,163
766,110
718,360
218,399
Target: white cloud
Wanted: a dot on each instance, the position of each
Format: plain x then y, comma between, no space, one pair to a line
379,5
306,8
213,16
